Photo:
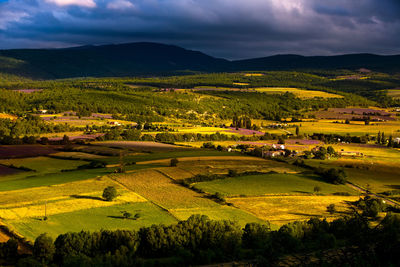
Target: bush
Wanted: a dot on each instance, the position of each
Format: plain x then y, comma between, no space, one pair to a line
110,193
174,162
331,208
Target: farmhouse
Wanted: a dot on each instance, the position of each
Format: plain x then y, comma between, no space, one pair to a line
273,154
397,140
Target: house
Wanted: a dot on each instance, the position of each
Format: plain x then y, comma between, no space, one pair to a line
43,111
115,123
397,140
273,154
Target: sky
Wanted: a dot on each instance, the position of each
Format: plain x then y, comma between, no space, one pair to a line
232,29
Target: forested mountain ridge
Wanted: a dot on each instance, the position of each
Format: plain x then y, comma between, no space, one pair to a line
152,58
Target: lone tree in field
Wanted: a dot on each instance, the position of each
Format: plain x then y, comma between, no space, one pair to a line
174,162
109,193
317,189
126,214
331,208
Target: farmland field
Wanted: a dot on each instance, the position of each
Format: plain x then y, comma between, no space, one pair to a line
283,209
22,181
354,128
301,93
43,165
156,187
256,185
94,219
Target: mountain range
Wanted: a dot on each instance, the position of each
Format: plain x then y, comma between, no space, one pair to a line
154,58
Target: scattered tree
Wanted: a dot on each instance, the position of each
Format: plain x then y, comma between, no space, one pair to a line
110,193
174,162
331,208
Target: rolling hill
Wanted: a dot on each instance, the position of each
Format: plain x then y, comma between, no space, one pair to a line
152,58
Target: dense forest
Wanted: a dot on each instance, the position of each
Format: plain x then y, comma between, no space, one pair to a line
199,240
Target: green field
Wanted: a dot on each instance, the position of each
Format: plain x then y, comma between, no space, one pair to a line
168,155
44,165
108,218
218,213
255,185
51,179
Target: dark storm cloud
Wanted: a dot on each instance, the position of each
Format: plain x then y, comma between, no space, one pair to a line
224,28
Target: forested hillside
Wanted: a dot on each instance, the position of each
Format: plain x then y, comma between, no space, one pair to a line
152,58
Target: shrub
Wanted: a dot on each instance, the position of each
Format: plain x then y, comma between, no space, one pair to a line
110,193
174,162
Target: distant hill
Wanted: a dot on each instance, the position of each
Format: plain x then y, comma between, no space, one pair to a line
351,61
152,58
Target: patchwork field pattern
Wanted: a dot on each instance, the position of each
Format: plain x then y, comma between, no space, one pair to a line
283,209
257,185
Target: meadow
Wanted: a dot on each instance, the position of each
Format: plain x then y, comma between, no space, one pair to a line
271,184
300,93
94,219
283,209
354,128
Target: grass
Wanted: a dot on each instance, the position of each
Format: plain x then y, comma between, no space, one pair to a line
50,179
256,185
43,165
169,155
163,191
95,219
77,155
240,164
300,93
354,128
218,213
283,209
28,196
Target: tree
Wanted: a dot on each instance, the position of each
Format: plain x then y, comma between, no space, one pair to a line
331,208
174,162
65,140
109,193
44,249
317,189
330,150
297,130
379,138
126,214
390,142
347,121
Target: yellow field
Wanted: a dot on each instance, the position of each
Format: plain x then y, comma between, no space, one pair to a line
77,155
243,84
175,173
354,128
156,187
26,196
253,74
7,116
63,198
283,209
197,160
297,92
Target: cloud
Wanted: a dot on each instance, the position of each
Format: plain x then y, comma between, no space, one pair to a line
224,28
120,4
83,3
